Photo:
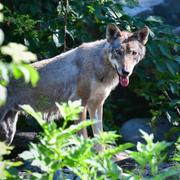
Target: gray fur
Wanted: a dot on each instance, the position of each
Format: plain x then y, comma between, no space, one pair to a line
86,72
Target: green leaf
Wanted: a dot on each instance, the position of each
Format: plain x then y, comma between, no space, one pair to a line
113,151
15,71
4,150
1,17
170,173
106,137
130,3
1,6
75,128
151,33
177,58
25,73
154,19
34,76
3,94
1,35
18,52
148,138
170,68
165,50
26,155
4,72
139,157
152,48
70,111
90,9
36,115
161,66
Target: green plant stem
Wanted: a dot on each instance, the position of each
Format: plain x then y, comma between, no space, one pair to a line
64,124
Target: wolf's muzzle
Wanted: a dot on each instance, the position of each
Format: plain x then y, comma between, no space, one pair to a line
125,73
118,70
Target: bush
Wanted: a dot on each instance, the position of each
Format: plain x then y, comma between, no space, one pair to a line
7,168
151,155
61,154
61,148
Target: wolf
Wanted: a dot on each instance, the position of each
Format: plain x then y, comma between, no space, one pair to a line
89,72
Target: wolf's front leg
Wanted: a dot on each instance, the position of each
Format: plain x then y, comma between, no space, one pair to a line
8,126
98,126
83,131
96,113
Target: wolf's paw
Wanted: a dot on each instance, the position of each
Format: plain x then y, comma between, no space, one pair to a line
8,127
5,134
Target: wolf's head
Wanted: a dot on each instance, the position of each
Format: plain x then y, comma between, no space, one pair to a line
125,49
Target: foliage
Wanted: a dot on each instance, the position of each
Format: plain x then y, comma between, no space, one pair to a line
159,84
7,169
149,154
70,111
17,67
61,148
33,24
18,52
177,152
152,154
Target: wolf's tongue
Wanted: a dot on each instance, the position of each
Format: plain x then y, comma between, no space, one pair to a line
124,81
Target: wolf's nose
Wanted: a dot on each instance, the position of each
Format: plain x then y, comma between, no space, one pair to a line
124,72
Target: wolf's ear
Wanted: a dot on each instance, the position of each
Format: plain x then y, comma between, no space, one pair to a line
142,35
112,32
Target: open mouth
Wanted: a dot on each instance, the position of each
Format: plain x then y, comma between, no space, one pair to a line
123,79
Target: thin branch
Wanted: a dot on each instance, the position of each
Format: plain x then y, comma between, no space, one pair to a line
169,98
66,3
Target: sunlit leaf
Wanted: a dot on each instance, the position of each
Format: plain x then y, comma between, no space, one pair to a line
154,19
25,73
4,72
1,6
1,17
36,115
15,71
1,36
4,150
3,94
26,155
34,76
18,52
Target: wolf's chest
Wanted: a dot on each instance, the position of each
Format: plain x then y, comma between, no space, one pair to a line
102,90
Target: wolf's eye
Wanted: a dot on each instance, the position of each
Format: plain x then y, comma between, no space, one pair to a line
118,51
134,53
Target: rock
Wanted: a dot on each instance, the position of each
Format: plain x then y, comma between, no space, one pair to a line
176,31
167,9
21,142
144,6
65,174
130,129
